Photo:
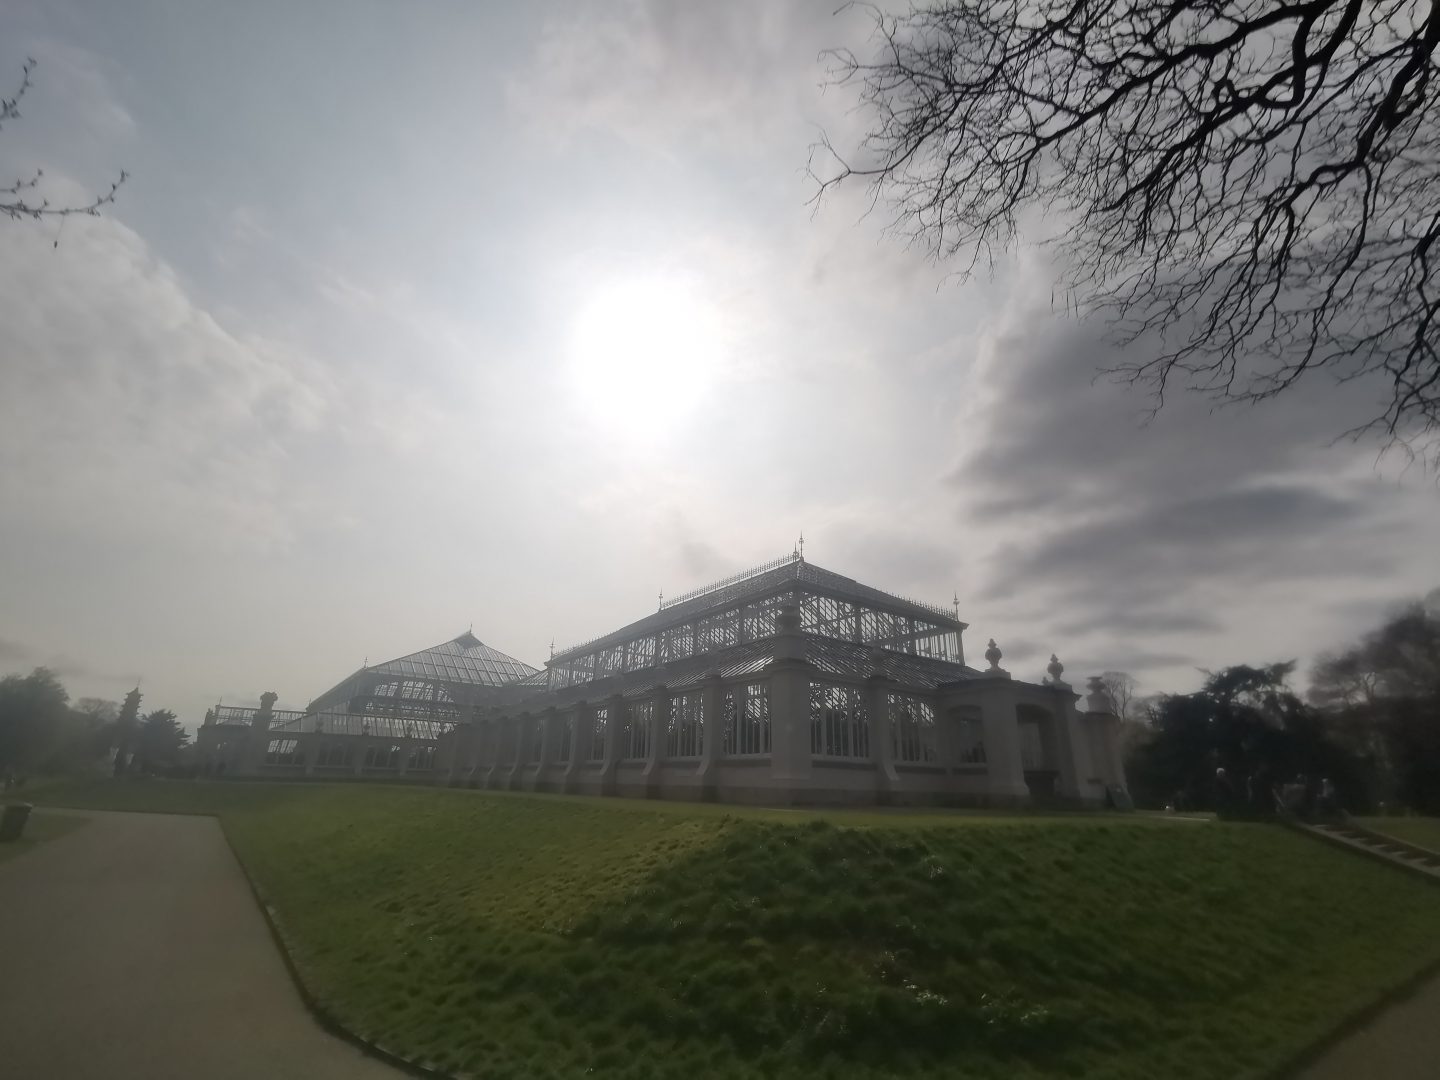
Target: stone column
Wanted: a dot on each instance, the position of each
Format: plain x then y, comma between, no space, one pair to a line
614,726
790,673
579,747
495,726
882,741
520,730
1072,750
712,727
548,735
1005,771
659,725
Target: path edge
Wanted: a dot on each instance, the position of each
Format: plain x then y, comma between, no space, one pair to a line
317,1009
1354,1022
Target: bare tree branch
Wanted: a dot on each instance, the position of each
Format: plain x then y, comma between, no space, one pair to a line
19,199
1256,185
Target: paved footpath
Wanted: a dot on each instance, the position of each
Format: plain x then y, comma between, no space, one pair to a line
1402,1043
132,949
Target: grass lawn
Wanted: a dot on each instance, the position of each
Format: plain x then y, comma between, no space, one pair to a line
40,828
1424,831
536,936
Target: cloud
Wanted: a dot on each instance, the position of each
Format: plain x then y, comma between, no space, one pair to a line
12,652
1199,525
653,72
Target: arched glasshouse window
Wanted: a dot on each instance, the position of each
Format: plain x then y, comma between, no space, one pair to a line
746,712
912,728
839,722
636,745
598,719
684,738
561,736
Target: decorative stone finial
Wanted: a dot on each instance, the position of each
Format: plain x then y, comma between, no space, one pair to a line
993,654
1055,668
1097,696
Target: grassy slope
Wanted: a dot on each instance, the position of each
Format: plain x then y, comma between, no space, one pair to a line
1424,831
531,937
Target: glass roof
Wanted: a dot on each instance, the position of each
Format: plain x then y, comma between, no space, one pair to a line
465,659
761,581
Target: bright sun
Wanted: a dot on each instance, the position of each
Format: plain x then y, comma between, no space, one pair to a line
644,352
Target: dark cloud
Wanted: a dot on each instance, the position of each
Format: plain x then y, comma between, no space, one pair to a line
1138,621
894,557
12,652
1109,524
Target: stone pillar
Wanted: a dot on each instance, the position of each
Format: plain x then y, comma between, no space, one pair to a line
789,674
1072,746
579,748
659,726
1100,710
712,727
882,741
495,725
614,726
1005,771
520,731
548,735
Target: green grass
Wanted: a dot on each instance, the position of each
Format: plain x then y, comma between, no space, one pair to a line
1424,831
41,827
519,936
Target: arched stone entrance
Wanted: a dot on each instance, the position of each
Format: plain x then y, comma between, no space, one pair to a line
1039,751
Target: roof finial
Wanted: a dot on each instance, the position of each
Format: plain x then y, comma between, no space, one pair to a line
552,648
993,654
956,602
661,602
802,545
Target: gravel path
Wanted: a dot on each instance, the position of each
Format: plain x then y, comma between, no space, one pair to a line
132,948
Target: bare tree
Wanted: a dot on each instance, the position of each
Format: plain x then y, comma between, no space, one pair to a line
1120,688
22,199
1255,183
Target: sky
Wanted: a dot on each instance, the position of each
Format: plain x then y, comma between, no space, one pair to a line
413,318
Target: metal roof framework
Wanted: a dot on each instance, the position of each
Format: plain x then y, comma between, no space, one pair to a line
440,683
743,608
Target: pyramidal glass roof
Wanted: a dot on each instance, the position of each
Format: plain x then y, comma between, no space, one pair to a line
464,659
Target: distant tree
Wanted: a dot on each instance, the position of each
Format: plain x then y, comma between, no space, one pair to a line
1383,697
1255,183
101,710
161,741
22,198
1120,689
1247,721
31,709
127,730
82,737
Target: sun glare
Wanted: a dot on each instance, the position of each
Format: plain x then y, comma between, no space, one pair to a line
644,352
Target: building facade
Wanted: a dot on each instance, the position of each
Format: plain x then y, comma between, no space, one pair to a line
786,685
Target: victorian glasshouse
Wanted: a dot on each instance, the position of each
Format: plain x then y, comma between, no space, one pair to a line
788,684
